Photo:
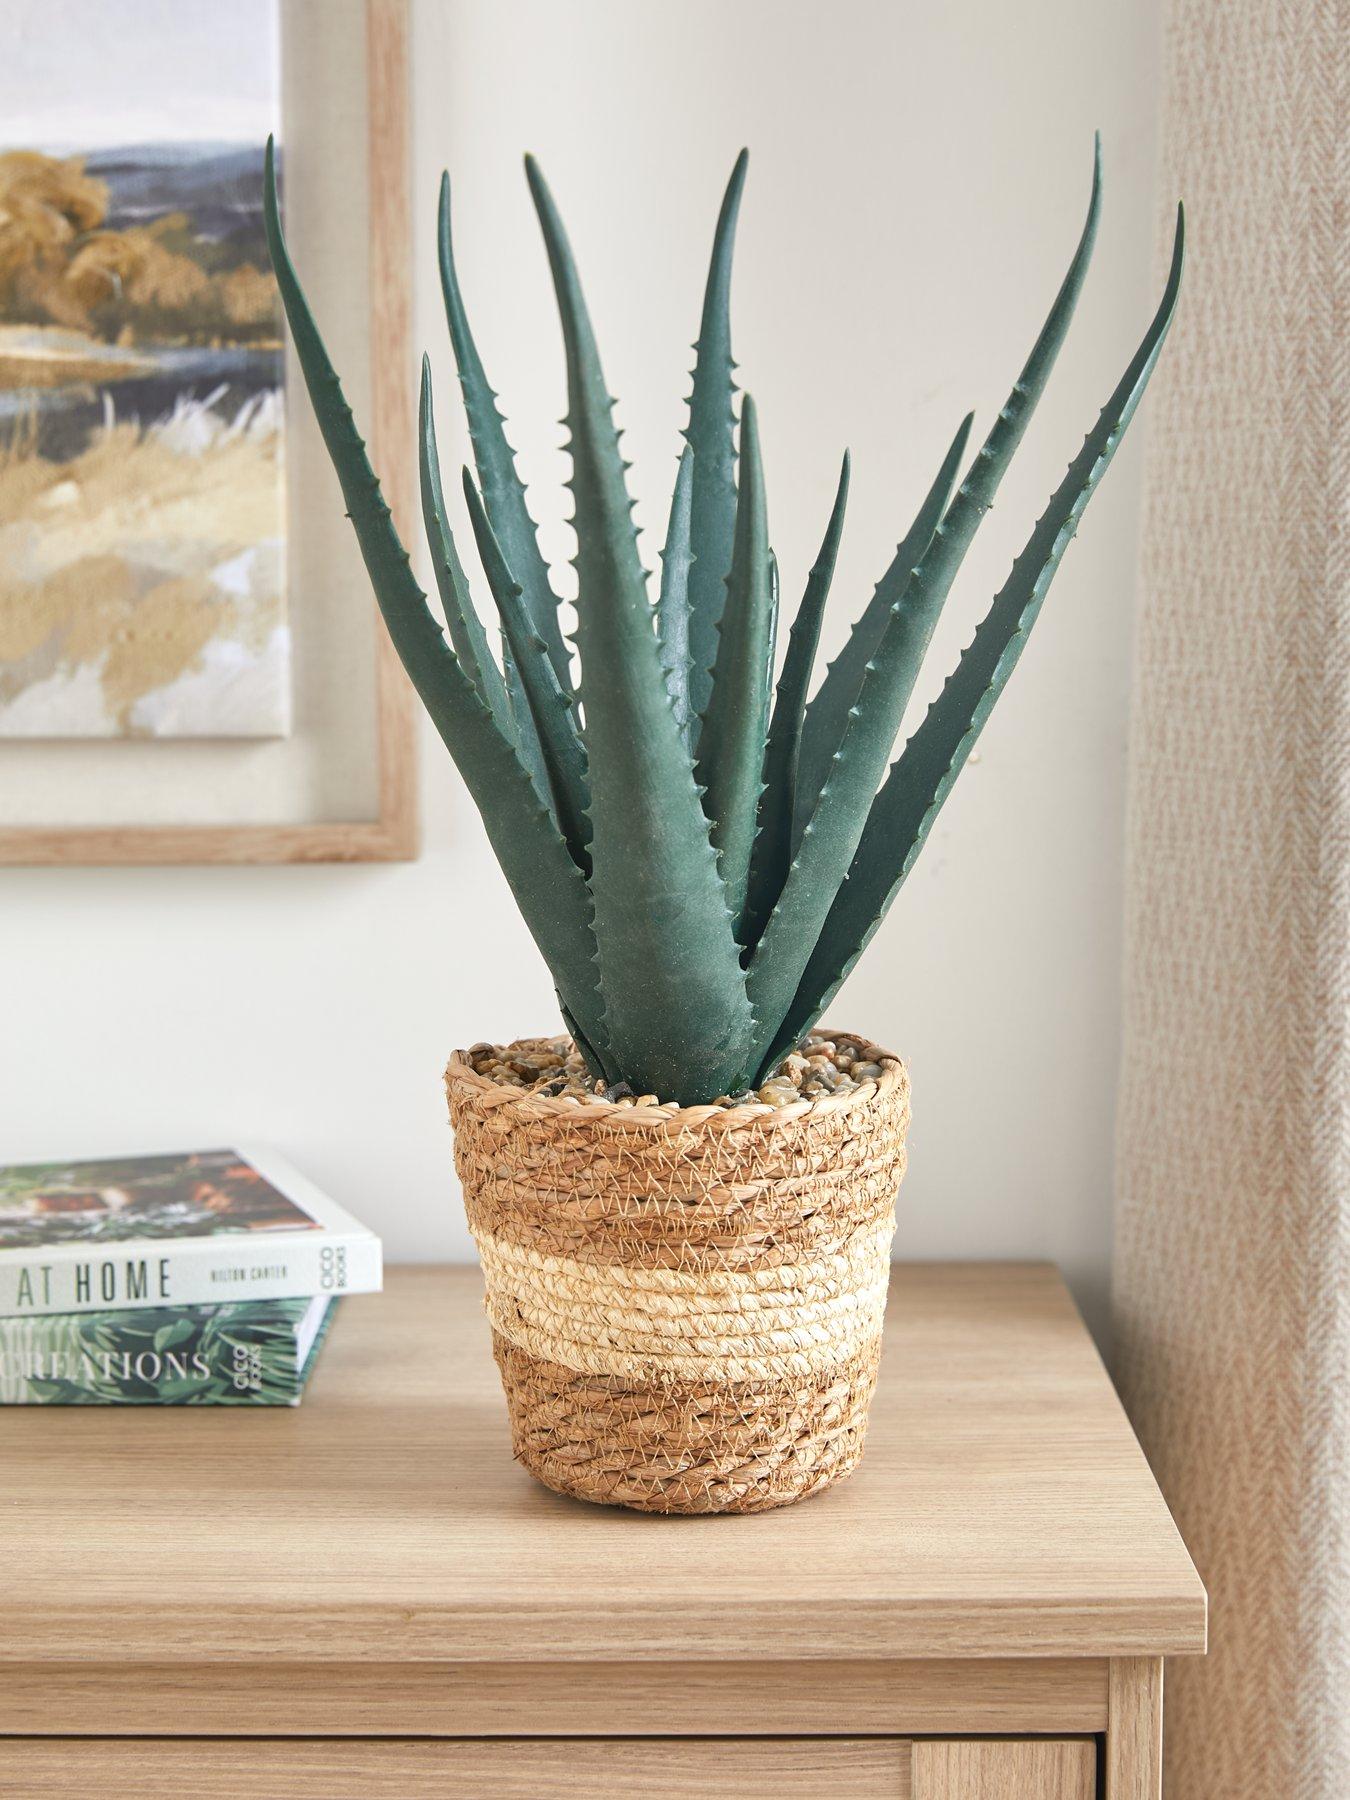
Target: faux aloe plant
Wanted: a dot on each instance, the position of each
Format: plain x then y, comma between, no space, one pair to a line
701,854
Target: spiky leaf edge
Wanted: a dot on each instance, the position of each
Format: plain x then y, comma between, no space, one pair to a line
552,709
731,745
831,835
503,490
677,1021
773,845
548,887
461,616
827,715
711,435
672,606
923,776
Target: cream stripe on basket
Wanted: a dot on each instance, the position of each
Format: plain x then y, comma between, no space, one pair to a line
690,1325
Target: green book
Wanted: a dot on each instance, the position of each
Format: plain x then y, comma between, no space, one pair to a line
235,1353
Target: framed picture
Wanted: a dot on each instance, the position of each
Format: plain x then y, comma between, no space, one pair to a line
191,665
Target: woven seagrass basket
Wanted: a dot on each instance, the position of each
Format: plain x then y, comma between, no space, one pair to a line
686,1302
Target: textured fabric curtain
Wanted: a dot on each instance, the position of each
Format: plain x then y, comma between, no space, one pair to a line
1232,1266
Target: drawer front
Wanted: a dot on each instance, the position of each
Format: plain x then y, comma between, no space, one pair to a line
548,1769
990,1769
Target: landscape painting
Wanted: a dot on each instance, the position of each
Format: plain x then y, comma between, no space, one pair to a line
142,545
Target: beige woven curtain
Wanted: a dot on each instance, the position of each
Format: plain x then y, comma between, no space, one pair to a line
1232,1266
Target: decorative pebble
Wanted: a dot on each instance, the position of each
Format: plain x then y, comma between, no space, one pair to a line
821,1066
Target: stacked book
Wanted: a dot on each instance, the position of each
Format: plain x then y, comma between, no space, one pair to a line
208,1278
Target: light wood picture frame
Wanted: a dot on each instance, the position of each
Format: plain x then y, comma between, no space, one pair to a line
390,833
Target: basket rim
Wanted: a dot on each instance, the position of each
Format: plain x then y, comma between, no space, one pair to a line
669,1116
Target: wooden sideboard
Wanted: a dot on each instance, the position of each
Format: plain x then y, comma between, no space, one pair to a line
366,1597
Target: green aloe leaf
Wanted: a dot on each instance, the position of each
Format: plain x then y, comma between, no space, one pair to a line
523,732
503,490
672,607
775,605
731,744
827,715
924,774
461,616
504,496
711,434
830,836
564,757
773,846
590,1055
676,1015
547,884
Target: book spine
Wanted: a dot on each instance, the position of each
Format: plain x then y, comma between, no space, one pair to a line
154,1356
234,1266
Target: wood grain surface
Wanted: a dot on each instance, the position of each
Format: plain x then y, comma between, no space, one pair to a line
1003,1510
1004,1771
422,1699
692,1768
1134,1748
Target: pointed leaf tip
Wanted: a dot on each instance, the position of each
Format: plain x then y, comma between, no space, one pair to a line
550,888
731,200
534,175
920,780
270,178
711,432
500,484
664,939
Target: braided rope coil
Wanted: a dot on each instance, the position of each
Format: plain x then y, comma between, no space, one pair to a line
686,1303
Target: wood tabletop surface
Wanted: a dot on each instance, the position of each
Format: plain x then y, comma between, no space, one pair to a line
1003,1509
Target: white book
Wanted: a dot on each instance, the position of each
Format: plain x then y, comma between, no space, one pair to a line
186,1229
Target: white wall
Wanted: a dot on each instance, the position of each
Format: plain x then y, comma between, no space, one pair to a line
917,180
